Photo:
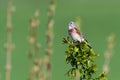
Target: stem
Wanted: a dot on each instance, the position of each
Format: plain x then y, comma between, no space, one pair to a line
9,41
108,53
49,37
34,48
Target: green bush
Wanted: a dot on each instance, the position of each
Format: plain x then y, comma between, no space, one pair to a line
81,57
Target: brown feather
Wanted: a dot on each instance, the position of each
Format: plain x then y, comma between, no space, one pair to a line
77,31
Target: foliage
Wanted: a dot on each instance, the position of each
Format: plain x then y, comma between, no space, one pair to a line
81,57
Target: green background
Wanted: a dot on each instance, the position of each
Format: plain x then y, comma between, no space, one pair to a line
99,19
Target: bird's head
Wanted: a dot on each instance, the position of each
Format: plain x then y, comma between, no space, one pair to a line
71,25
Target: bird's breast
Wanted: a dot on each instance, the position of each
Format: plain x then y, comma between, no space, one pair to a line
71,30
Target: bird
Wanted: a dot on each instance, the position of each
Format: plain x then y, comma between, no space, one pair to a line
75,33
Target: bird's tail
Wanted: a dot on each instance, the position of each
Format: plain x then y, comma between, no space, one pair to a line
88,44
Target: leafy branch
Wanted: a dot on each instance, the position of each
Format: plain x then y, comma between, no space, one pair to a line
81,57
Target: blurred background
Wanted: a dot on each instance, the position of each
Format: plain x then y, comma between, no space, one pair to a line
99,18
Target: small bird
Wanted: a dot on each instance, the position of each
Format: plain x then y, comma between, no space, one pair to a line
75,33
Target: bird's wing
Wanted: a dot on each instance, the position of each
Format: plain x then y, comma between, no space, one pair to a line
77,31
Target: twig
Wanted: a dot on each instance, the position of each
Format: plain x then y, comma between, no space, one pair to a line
49,37
34,48
108,53
9,41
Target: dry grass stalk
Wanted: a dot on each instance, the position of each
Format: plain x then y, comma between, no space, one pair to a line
108,53
9,40
78,23
34,56
49,38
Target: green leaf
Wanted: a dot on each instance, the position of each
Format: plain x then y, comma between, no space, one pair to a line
76,49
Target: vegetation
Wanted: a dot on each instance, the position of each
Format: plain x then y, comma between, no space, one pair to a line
81,57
